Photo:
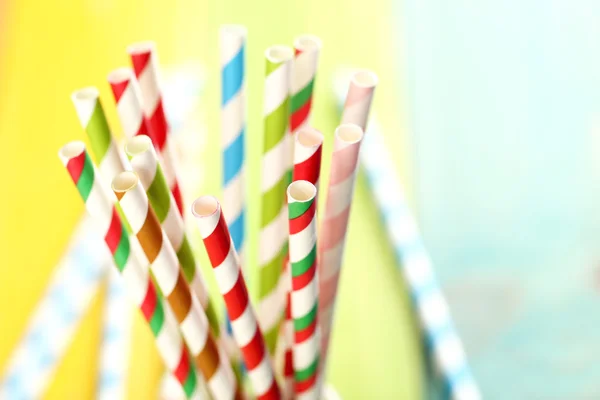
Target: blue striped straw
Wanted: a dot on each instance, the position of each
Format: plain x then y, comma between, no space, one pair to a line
414,262
52,326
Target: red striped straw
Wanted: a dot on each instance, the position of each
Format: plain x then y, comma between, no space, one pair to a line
232,286
146,67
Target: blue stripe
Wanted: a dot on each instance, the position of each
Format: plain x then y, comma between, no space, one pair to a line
233,158
232,76
236,228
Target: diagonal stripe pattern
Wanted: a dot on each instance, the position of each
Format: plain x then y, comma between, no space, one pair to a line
164,264
307,49
225,263
100,204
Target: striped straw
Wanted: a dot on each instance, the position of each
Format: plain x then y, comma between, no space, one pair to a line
305,291
359,98
344,164
74,284
128,97
146,66
232,286
100,204
115,342
145,163
233,126
165,266
307,49
275,178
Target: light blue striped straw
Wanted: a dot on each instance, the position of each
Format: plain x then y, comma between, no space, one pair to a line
50,330
414,262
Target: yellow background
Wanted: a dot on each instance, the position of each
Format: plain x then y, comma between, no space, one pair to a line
51,48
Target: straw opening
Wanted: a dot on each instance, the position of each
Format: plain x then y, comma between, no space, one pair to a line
278,54
309,137
205,206
302,191
307,43
71,149
125,181
141,47
138,144
87,93
120,75
365,79
232,29
349,133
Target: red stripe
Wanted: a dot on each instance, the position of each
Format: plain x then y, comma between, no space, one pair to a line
159,127
297,51
300,115
118,88
271,394
149,303
309,169
178,197
305,334
288,306
288,364
303,386
254,352
237,298
115,230
144,129
298,282
301,222
75,166
218,243
139,61
183,368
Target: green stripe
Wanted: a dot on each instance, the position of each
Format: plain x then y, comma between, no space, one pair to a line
86,179
269,275
305,321
122,253
271,66
213,319
99,133
189,386
159,195
158,317
272,335
300,98
275,124
272,202
308,372
298,208
300,267
185,255
123,219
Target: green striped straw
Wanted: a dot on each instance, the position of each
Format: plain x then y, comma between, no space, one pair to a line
276,174
144,162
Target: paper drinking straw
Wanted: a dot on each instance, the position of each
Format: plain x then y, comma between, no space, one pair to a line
165,266
128,97
233,126
232,286
146,67
307,49
100,204
145,163
305,291
359,98
53,323
334,225
275,177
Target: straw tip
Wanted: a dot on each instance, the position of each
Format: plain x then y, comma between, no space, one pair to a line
349,133
205,206
71,149
365,78
85,94
310,137
119,75
279,53
138,145
308,42
142,47
124,182
301,191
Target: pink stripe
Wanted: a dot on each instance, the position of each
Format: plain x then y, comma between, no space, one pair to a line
334,230
343,162
327,291
357,93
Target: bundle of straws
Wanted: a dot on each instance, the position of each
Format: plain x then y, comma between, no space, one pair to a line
133,194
